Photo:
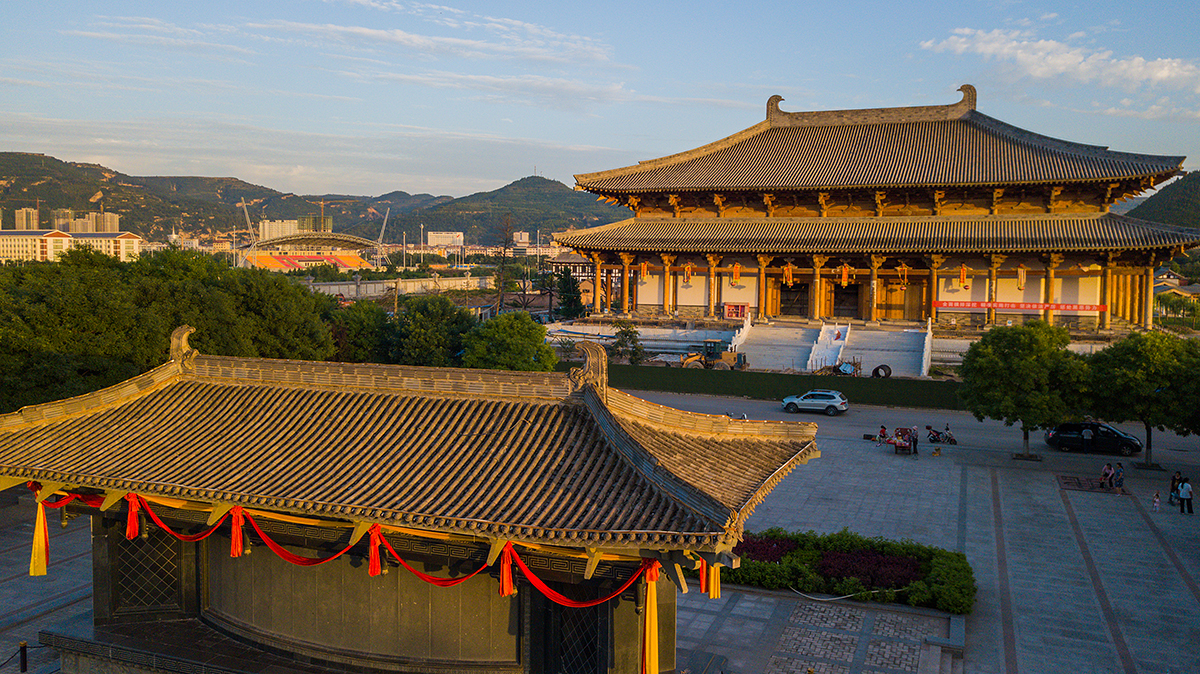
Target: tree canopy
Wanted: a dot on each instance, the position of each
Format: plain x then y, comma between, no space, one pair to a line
430,331
90,321
1149,378
511,341
1024,374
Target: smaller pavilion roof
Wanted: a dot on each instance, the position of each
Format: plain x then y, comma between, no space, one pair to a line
949,145
537,457
914,234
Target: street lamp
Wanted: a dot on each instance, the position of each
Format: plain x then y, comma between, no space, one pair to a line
357,285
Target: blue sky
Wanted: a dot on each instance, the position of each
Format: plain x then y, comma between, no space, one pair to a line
370,96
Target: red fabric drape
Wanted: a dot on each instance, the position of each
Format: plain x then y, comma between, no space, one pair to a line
703,576
507,588
571,603
289,556
186,538
131,518
88,500
374,567
238,519
433,580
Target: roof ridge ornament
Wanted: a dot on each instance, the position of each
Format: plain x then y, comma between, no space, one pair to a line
180,351
594,370
926,113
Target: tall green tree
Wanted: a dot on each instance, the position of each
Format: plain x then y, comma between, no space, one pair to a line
570,299
430,331
1024,374
362,333
627,343
511,341
1146,377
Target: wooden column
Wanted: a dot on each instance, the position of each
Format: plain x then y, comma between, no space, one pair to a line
1106,291
993,273
668,286
763,261
608,295
626,261
713,261
1052,262
598,259
873,292
1148,294
816,291
935,263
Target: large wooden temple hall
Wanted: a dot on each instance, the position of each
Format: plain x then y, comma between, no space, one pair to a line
908,213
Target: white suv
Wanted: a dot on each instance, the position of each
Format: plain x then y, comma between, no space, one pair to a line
832,403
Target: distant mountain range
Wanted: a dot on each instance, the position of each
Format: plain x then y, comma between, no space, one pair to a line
208,207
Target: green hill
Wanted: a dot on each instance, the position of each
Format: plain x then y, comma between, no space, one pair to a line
1177,204
199,207
531,204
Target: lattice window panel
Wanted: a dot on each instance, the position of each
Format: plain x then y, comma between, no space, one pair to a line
579,634
147,574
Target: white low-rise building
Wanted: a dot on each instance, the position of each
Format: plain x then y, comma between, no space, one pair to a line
48,244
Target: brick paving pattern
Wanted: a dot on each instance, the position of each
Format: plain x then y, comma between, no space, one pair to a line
828,645
896,655
828,615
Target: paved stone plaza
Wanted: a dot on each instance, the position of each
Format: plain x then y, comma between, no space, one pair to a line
1069,581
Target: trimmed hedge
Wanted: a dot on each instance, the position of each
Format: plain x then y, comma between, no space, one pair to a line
923,393
846,563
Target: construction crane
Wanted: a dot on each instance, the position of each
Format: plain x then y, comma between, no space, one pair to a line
379,256
250,232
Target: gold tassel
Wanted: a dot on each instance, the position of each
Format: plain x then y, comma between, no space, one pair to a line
39,556
650,623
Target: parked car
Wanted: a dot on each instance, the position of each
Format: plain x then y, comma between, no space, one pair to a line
831,403
1092,436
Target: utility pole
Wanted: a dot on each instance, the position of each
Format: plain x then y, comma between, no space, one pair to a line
422,243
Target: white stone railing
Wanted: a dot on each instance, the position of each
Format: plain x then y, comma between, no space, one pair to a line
927,352
740,336
827,350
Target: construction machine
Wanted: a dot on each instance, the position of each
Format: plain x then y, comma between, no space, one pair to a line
714,357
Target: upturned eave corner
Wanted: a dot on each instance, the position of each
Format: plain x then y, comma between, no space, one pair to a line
181,352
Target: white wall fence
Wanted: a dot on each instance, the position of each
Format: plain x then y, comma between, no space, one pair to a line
408,286
740,336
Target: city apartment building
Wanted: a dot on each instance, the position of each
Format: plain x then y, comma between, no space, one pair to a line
96,222
27,218
42,245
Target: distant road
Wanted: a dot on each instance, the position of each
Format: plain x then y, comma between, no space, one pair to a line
988,435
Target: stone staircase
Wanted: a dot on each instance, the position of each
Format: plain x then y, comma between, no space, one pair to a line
935,659
779,347
903,351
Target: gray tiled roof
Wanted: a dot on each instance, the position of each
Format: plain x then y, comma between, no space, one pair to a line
521,456
974,149
917,234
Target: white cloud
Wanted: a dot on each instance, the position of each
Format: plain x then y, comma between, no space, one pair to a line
1043,59
174,43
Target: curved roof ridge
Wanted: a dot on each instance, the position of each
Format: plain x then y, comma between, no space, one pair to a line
678,157
1020,135
920,113
95,401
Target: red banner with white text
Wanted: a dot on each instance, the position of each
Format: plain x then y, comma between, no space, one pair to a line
1039,306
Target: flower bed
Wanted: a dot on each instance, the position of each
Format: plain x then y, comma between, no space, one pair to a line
845,563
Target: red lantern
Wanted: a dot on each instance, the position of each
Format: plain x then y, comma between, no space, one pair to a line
687,273
787,274
737,275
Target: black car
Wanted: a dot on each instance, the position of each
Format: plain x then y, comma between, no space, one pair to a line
1092,436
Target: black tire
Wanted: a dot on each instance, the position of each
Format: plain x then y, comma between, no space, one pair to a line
791,407
1062,448
882,372
953,441
1126,450
722,365
694,365
831,411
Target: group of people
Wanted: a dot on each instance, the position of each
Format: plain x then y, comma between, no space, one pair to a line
1181,491
1113,478
904,438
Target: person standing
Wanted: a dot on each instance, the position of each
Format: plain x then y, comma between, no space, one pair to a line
1185,497
1106,476
1088,437
915,435
1173,495
1119,477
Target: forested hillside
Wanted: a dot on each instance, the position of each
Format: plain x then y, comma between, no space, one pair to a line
200,207
1178,203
